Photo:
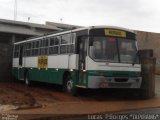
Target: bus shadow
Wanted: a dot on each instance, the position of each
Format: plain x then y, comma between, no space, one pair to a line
41,85
110,94
89,94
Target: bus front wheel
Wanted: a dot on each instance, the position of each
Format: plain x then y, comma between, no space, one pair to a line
68,86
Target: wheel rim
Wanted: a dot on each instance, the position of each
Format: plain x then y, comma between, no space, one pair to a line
69,85
27,81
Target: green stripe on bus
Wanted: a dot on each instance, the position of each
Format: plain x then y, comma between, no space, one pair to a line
114,73
50,75
55,76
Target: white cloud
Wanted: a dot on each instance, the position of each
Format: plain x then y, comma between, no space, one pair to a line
134,14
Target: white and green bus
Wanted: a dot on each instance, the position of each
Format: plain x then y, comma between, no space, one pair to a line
91,57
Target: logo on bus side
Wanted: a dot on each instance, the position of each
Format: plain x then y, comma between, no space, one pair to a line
43,62
116,33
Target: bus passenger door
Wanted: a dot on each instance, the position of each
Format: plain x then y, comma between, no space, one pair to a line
82,50
20,68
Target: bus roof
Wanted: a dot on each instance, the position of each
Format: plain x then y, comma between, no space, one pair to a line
72,30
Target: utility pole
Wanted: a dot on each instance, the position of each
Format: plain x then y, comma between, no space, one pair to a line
15,10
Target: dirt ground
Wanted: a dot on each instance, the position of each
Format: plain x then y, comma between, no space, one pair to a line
45,99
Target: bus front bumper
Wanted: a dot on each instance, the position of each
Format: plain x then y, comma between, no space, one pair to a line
114,82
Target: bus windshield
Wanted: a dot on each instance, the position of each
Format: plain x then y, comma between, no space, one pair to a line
113,49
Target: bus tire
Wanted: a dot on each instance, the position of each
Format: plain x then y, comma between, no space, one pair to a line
26,79
68,86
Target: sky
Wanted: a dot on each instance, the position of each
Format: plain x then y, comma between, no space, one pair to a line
133,14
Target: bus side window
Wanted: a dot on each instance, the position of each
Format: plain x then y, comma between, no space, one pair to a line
44,46
35,46
51,41
40,42
16,51
65,43
72,45
54,45
27,49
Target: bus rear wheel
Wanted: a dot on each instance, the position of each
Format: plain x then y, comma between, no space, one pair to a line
68,86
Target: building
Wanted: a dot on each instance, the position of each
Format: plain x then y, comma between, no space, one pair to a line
13,31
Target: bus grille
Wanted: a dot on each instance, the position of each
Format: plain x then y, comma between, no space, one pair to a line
121,79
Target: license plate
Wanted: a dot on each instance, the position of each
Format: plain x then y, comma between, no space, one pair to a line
103,85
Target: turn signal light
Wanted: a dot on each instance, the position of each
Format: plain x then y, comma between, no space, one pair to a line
84,71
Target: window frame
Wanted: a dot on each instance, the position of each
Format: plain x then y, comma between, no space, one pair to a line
54,45
71,43
16,52
44,46
35,47
26,48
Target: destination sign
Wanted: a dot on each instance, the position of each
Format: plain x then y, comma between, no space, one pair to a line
116,33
